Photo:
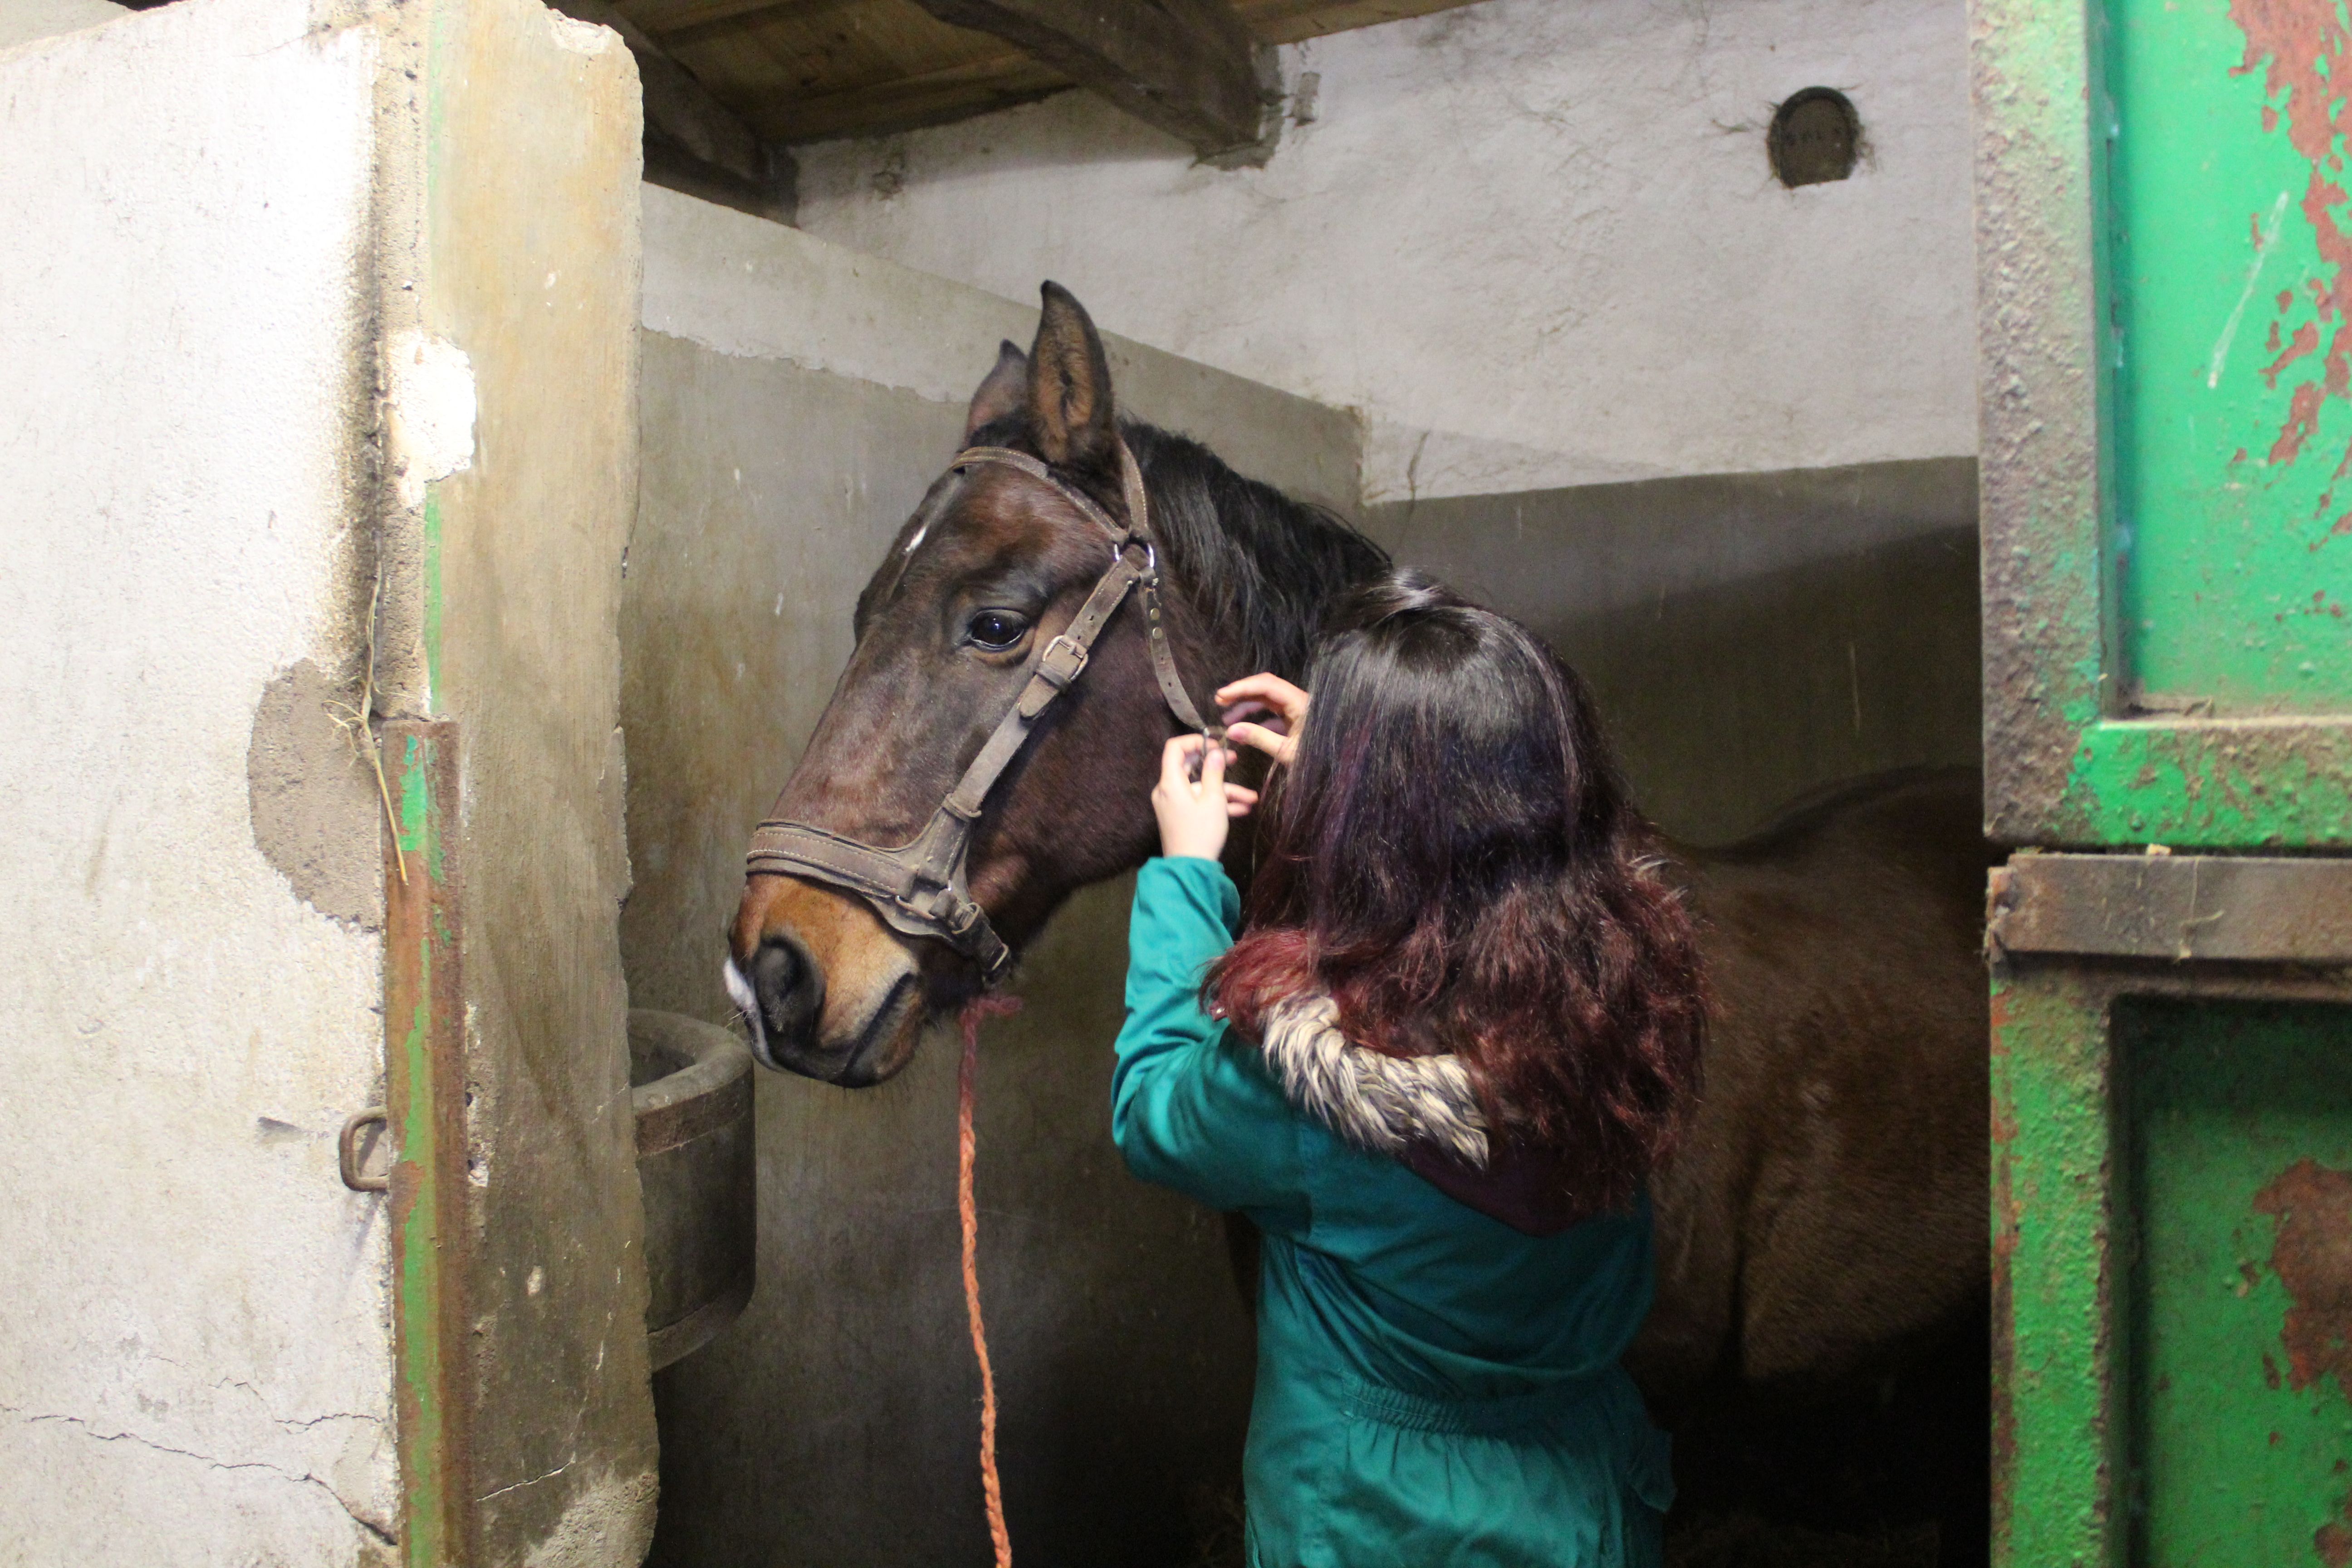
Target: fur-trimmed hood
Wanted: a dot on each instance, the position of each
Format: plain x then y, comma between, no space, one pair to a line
1420,1110
1379,1102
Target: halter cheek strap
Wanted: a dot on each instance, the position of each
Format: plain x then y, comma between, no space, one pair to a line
919,887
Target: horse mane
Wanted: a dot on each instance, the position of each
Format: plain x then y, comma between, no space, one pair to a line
1260,569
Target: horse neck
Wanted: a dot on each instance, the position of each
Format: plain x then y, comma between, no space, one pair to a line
1226,660
1224,656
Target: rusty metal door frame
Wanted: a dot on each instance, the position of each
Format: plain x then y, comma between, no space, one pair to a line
2070,760
2071,936
2084,252
432,1244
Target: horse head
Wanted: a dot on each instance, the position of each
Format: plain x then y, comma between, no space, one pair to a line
993,566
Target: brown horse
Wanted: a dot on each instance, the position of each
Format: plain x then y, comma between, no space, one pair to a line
1829,1210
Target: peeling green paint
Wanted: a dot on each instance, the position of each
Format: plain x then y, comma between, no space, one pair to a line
416,944
2232,425
2231,525
2168,654
2053,1420
419,824
2156,1401
422,1428
2168,662
2240,1438
2225,786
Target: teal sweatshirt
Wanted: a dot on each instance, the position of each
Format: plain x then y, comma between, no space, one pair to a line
1434,1388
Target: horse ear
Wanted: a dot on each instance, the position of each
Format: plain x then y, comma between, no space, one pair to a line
1070,388
1002,391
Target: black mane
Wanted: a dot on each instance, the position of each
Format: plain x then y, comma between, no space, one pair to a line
1260,569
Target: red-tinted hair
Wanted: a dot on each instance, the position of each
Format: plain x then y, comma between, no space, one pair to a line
1452,859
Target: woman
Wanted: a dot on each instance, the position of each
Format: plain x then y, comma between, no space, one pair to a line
1460,1025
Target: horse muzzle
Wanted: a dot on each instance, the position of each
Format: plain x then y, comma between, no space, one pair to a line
828,991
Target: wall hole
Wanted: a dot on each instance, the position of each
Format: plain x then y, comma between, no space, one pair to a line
1816,137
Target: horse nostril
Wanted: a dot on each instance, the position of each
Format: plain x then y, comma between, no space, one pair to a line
791,990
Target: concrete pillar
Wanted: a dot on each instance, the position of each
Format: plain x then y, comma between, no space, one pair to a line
320,415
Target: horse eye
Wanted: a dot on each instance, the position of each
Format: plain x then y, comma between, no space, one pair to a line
996,630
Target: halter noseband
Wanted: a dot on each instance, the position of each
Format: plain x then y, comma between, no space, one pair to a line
919,887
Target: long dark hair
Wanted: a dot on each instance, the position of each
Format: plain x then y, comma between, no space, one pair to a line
1452,857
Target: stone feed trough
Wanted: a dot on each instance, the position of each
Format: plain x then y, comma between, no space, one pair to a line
690,1087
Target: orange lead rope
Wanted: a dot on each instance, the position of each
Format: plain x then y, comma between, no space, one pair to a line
981,1007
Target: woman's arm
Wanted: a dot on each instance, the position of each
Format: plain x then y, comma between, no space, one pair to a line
1190,1107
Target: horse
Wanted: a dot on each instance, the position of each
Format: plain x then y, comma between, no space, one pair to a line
1826,1216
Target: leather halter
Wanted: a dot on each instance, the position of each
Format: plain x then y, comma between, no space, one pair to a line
919,889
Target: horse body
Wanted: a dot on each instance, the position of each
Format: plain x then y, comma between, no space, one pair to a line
1828,1212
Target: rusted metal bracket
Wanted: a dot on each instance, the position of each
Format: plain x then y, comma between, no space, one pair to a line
425,1093
2177,908
347,1149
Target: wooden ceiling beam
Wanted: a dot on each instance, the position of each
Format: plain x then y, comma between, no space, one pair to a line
1189,67
694,143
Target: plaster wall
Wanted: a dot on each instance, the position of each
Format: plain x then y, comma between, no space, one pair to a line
195,1363
1536,244
797,400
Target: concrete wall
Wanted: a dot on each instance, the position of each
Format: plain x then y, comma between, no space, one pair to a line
194,1366
319,324
1749,638
1538,245
526,265
797,400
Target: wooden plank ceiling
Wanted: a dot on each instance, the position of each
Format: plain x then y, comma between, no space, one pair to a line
806,70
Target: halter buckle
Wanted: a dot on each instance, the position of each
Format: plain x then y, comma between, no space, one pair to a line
929,900
1061,661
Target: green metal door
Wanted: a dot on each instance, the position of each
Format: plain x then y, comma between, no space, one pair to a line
2165,255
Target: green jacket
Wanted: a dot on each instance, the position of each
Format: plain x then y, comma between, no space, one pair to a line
1434,1388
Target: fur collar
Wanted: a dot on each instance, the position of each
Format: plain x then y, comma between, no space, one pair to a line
1383,1103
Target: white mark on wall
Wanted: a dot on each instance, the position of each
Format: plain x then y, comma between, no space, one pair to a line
430,422
2262,244
580,38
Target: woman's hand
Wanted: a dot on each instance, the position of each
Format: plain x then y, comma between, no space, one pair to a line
1194,813
1268,694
